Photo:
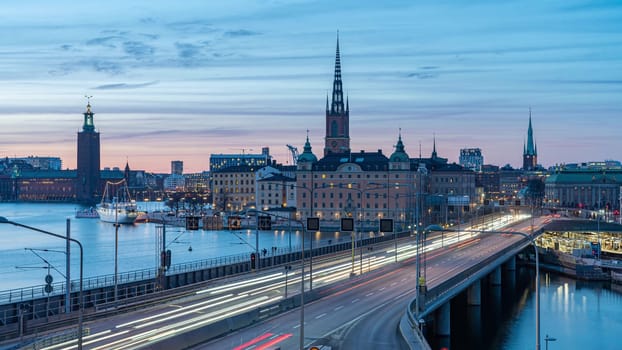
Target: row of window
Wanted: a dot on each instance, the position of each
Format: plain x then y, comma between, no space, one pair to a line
233,182
349,176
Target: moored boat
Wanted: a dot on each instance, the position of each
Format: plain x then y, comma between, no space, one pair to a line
120,209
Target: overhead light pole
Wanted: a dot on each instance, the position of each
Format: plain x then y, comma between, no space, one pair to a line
4,220
531,238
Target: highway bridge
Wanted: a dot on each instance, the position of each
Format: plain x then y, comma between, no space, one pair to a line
345,309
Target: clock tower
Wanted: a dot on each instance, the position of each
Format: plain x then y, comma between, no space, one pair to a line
337,138
87,180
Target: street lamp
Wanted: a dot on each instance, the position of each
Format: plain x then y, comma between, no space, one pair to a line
531,239
302,269
4,220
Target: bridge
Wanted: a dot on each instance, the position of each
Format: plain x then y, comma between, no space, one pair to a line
342,310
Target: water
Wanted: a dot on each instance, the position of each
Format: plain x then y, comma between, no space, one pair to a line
578,314
20,267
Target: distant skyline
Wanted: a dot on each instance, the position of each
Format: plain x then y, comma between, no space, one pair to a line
183,81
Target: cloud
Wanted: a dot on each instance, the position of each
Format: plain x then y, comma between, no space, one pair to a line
199,26
106,41
119,86
186,50
138,49
422,75
240,32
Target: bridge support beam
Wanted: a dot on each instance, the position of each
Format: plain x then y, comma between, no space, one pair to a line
495,276
443,320
510,265
474,293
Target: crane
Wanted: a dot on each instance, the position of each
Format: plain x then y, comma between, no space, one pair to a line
294,152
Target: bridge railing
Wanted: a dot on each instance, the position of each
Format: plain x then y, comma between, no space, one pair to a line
467,276
60,288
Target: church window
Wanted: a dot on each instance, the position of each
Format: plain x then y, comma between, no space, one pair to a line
334,128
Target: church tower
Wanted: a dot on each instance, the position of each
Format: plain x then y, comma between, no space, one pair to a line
530,150
87,180
337,138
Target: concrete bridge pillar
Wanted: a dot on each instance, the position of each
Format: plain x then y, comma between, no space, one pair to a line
474,293
495,276
510,265
443,320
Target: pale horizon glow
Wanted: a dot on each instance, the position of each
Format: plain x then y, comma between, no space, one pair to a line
183,81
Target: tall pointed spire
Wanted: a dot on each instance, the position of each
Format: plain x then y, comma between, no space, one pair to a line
530,149
434,155
337,103
530,152
337,138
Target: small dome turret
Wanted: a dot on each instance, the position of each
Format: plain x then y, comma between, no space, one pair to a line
400,154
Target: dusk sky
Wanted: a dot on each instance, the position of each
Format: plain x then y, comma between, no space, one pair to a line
183,80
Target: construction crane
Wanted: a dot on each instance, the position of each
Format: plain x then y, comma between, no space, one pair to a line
294,152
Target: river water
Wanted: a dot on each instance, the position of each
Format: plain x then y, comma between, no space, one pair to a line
21,267
577,314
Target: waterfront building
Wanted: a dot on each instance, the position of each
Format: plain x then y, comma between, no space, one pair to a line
88,177
221,161
58,185
233,188
583,189
471,158
530,150
37,163
275,191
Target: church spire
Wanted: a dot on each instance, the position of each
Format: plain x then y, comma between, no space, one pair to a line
530,149
530,152
337,103
434,155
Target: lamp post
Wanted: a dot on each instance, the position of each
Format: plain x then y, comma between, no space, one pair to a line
532,241
4,220
302,272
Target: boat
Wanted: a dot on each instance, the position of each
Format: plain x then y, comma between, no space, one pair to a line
89,213
116,205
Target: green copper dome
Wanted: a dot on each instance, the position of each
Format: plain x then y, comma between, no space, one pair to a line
400,154
307,155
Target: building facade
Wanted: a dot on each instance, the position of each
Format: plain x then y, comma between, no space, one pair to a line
583,189
221,161
471,158
233,188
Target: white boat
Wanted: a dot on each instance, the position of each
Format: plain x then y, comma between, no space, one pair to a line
117,206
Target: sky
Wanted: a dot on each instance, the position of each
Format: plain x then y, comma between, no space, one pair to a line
183,80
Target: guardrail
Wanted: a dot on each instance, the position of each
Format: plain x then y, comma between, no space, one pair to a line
60,288
409,326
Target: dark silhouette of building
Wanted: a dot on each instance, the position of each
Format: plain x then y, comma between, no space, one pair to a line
530,150
337,138
88,172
